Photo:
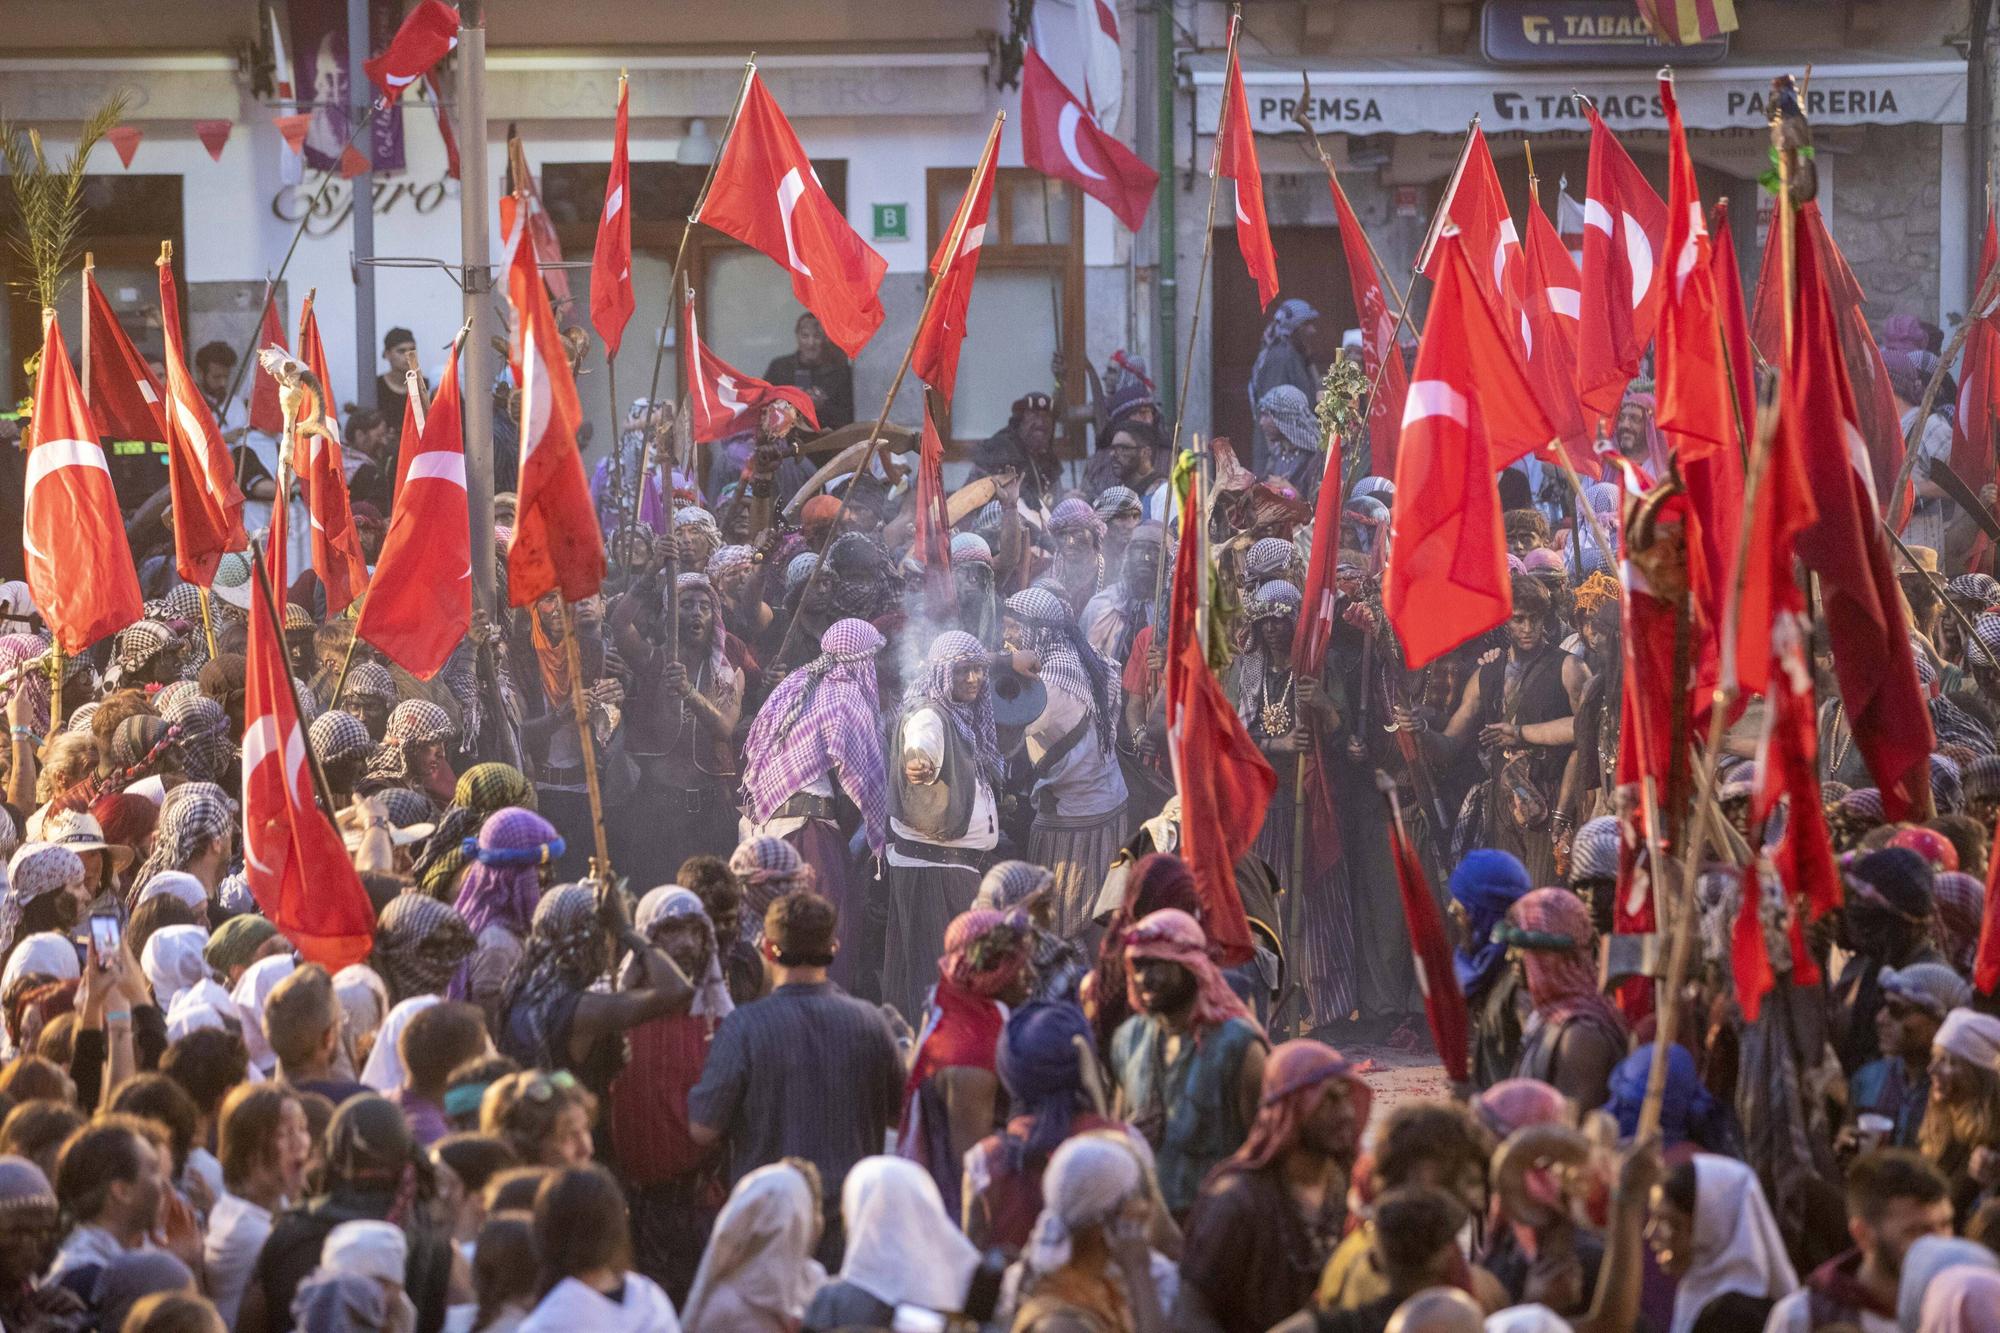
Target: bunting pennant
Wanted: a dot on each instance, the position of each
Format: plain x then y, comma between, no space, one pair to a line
213,135
125,141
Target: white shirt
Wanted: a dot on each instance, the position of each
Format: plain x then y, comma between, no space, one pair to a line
237,1230
1087,781
571,1306
1793,1314
923,734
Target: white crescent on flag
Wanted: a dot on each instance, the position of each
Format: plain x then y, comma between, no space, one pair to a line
789,191
1066,125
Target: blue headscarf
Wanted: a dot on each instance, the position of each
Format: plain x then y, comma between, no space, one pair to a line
1687,1111
1486,884
1040,1064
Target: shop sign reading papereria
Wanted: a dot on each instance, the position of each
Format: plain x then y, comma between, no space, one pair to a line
1434,95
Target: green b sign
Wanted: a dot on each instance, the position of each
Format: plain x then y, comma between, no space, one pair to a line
892,222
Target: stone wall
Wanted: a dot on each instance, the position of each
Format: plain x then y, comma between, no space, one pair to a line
1885,218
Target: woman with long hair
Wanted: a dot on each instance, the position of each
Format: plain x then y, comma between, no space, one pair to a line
1964,1109
585,1249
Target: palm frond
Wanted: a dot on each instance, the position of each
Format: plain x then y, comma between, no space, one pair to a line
48,200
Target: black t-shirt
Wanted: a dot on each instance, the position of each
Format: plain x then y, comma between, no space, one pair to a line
292,1253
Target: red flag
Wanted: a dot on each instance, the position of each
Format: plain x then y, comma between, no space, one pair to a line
1735,320
1551,298
208,506
125,139
293,858
557,543
942,336
1224,780
766,195
1845,546
79,567
1471,411
1381,357
1695,395
1060,139
266,414
1986,963
1625,226
1315,623
410,439
336,549
932,546
436,86
523,203
1478,208
1972,432
1444,1002
421,605
611,299
1238,162
720,397
427,36
214,134
126,400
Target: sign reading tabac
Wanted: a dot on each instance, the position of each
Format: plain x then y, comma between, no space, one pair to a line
1583,32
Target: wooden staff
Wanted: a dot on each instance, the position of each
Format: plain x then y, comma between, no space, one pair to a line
952,239
207,621
581,709
263,577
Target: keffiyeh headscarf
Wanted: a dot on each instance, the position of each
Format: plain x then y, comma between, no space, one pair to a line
1551,928
823,719
139,643
1074,515
337,734
201,736
562,955
768,868
1275,600
1269,558
482,790
1118,502
419,944
21,653
1068,663
1959,901
670,904
727,558
1173,936
369,678
193,815
414,722
37,870
974,721
1298,428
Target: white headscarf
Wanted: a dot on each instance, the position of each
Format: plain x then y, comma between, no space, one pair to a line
1972,1037
901,1248
202,1005
178,884
1087,1181
384,1070
48,952
364,1002
670,902
759,1256
172,962
1923,1262
252,989
1526,1319
1736,1245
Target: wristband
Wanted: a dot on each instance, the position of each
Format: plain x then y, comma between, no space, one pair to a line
23,733
118,1015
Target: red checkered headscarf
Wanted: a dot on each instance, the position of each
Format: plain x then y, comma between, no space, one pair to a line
1173,936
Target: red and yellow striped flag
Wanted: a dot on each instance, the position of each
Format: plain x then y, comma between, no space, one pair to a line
1681,22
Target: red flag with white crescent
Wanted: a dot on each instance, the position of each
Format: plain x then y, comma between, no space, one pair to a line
939,340
722,398
766,194
1060,139
1238,162
266,414
1624,232
208,504
293,857
127,401
336,548
80,568
1381,357
611,299
421,603
557,542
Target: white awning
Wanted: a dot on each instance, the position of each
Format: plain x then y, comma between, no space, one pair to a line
1439,95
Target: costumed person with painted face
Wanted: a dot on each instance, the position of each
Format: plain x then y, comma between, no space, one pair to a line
1284,358
1590,781
1078,535
1292,437
1125,605
1519,711
1287,715
549,734
1484,886
972,570
1575,1037
813,772
945,775
1076,785
681,721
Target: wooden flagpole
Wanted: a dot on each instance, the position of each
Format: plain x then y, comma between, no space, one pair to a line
867,459
581,709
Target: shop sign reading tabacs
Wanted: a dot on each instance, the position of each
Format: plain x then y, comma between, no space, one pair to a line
1583,32
1419,96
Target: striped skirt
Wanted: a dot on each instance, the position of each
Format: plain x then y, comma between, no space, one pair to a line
1077,851
1318,929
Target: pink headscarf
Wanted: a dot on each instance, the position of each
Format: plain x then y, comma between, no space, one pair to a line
1294,1073
1962,1300
1561,981
1516,1103
1174,936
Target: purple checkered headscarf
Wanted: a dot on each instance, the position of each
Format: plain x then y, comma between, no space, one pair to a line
823,719
973,722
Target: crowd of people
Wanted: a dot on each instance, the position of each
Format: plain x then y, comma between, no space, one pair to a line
897,1007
